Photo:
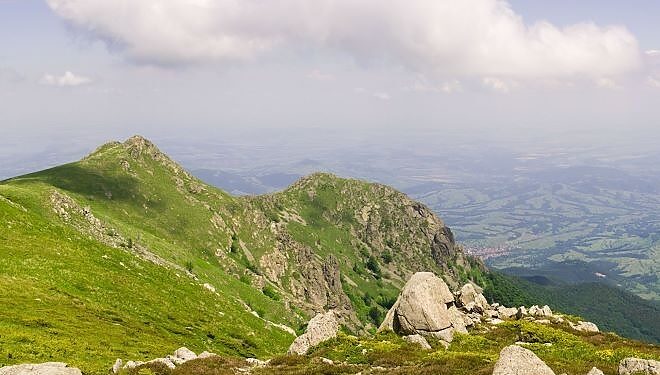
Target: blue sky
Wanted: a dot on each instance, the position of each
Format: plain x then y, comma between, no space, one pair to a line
342,68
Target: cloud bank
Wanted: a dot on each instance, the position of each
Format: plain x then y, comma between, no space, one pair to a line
67,79
455,38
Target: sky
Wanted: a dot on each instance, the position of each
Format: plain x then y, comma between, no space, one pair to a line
77,72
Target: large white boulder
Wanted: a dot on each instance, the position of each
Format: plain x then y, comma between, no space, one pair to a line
320,328
629,366
516,360
426,307
471,299
48,368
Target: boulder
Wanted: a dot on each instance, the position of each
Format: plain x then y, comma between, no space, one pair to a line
521,313
584,326
182,355
320,328
48,368
472,299
516,360
546,311
117,366
426,307
206,354
167,362
629,366
506,312
595,371
535,311
419,340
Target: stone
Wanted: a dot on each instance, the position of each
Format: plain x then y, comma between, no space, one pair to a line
419,340
585,327
182,355
47,368
117,366
521,313
327,361
255,362
206,354
595,371
535,311
164,361
543,321
506,312
629,366
516,360
546,311
426,307
132,364
472,299
320,328
209,287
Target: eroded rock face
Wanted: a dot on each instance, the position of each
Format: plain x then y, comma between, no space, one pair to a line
629,366
425,307
516,360
48,368
320,328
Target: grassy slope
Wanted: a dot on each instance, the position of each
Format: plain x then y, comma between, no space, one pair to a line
68,297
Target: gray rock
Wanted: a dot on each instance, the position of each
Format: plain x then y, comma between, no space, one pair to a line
472,299
595,371
182,355
164,361
117,366
255,362
546,311
521,313
629,366
584,327
132,364
506,312
48,368
425,307
516,360
320,328
419,340
206,354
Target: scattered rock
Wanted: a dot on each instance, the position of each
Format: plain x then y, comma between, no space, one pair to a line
516,360
595,371
584,326
209,287
206,354
48,368
182,355
164,361
327,361
256,362
117,366
471,299
521,313
320,328
543,321
506,312
419,340
546,310
629,366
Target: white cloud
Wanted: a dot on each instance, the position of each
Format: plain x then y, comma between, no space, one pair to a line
447,87
499,85
652,53
67,79
382,95
318,75
653,81
482,38
606,83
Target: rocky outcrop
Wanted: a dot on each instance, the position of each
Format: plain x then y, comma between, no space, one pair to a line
516,360
48,368
320,328
425,307
595,371
630,366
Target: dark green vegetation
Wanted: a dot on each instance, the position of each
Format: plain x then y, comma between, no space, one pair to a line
564,350
124,254
612,309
